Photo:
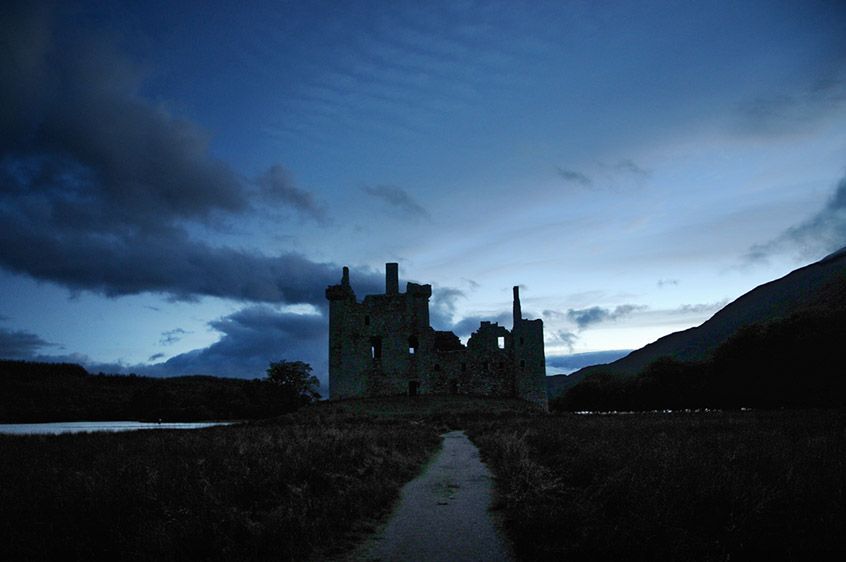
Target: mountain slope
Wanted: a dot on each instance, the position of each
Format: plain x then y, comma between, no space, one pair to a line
821,285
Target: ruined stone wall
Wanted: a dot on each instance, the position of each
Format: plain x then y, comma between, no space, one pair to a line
530,361
384,346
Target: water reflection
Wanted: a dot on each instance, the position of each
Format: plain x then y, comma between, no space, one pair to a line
83,426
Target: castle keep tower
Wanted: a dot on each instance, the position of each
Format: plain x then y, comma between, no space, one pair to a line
384,346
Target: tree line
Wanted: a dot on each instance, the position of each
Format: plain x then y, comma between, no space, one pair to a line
43,392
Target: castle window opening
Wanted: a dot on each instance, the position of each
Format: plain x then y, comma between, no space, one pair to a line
453,386
522,363
375,348
412,345
464,367
437,367
413,388
521,340
367,320
500,342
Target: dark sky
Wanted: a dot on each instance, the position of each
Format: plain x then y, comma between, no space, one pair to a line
180,181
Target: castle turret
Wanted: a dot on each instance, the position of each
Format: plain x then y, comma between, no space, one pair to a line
518,314
391,278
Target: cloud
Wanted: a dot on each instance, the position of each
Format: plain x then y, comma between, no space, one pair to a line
588,316
156,357
573,176
19,344
701,308
574,362
99,188
823,233
442,307
469,324
397,198
566,338
172,336
792,111
667,283
277,184
251,338
628,166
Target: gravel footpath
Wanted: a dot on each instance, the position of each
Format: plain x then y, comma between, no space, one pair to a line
443,514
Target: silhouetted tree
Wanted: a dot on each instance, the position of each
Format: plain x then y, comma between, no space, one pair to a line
294,381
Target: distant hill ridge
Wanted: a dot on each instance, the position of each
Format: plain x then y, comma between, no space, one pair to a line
818,286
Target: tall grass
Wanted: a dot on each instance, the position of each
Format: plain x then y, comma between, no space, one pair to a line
286,489
687,486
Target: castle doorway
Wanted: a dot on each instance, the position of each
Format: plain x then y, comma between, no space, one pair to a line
413,388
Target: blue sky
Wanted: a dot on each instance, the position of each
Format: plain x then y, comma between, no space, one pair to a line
180,181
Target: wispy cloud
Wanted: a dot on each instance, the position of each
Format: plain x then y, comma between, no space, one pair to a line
628,166
823,233
588,316
573,176
397,199
277,185
566,338
796,109
667,283
170,337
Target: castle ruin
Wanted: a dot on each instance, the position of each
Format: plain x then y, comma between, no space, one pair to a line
384,346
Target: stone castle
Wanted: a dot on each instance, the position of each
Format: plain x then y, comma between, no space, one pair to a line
384,346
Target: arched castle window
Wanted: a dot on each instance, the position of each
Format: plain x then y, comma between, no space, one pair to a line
412,345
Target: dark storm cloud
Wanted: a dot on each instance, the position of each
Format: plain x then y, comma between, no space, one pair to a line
19,344
469,324
572,176
824,232
588,316
397,198
252,338
98,186
277,184
167,262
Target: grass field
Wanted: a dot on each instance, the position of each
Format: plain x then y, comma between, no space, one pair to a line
283,490
678,486
671,486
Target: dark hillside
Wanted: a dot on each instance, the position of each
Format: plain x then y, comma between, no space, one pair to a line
820,286
793,362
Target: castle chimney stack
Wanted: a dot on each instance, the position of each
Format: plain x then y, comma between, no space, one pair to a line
518,314
391,278
345,279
